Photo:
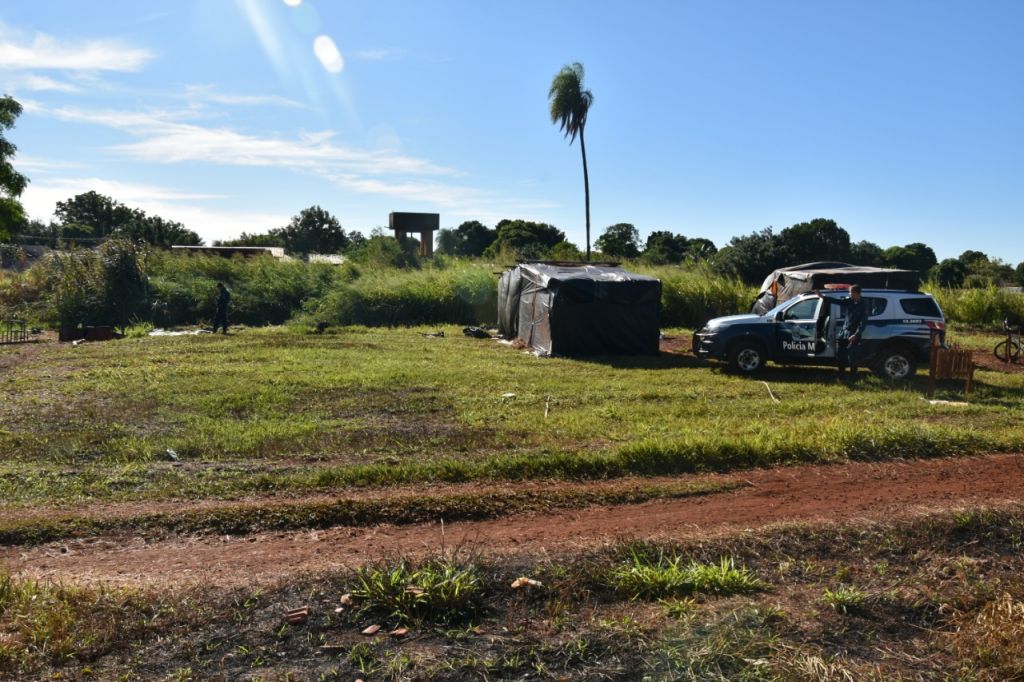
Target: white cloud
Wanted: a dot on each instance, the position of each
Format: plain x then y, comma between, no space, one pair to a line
41,199
206,93
467,202
164,140
377,54
16,82
42,51
30,164
167,137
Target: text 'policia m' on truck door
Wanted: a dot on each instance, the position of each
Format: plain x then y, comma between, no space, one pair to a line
796,330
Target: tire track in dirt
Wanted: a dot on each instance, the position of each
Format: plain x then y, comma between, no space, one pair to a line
815,494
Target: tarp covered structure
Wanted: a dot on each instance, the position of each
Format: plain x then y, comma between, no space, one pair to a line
580,309
786,283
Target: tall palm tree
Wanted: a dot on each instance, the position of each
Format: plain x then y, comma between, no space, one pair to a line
569,106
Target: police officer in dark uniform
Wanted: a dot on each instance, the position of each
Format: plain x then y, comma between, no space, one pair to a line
848,342
220,318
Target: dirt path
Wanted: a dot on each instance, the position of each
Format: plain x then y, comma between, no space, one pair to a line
859,491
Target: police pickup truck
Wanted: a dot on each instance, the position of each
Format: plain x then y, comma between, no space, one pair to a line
803,330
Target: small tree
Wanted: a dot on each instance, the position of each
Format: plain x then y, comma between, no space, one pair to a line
527,239
819,240
949,273
471,238
699,248
565,251
12,183
314,230
92,214
664,247
383,250
621,240
866,253
752,257
915,256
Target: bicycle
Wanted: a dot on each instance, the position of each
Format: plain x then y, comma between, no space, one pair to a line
1009,350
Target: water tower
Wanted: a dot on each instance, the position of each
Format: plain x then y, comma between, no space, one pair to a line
424,223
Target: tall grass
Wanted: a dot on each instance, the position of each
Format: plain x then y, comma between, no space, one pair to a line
264,290
691,295
180,290
979,307
458,292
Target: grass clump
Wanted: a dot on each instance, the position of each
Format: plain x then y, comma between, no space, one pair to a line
675,576
845,598
436,591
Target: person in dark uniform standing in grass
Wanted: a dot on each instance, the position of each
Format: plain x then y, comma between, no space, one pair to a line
848,342
220,318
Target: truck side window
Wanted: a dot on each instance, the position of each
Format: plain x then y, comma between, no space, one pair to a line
804,310
876,306
920,307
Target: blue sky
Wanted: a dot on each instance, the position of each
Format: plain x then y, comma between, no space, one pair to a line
900,120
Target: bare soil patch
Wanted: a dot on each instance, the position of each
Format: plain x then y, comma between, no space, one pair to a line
833,493
13,354
988,361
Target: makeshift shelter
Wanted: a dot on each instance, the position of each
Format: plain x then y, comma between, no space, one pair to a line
580,309
786,283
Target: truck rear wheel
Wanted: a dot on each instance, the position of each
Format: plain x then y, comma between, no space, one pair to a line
896,363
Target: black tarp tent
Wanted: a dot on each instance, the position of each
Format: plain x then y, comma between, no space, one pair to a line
785,283
580,309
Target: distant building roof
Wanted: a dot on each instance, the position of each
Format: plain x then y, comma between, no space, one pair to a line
329,258
228,251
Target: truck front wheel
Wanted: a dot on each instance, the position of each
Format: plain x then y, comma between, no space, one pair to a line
747,356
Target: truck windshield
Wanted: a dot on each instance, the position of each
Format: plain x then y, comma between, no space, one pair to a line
777,309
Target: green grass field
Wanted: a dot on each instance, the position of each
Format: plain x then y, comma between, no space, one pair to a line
279,410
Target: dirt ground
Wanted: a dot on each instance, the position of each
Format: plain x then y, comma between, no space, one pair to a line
852,492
